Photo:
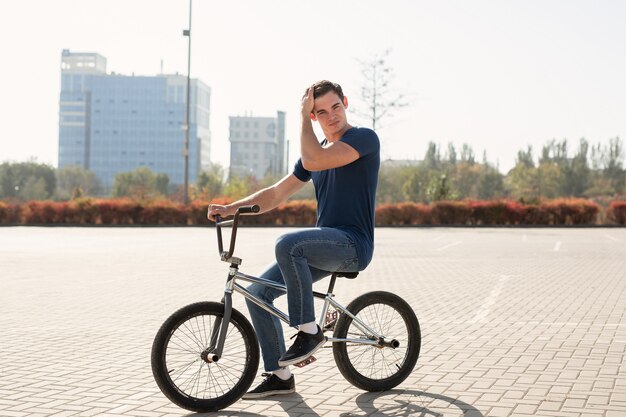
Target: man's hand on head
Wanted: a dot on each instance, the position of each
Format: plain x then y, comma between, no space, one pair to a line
308,103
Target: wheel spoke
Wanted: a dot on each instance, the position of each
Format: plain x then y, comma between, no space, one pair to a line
188,349
183,368
193,336
189,381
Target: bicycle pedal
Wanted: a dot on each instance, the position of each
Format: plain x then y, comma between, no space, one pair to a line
305,362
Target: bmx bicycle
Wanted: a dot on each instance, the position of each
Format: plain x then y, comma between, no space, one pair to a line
205,356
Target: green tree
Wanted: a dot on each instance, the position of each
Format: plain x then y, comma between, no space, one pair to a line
451,153
521,181
416,183
467,154
490,183
552,168
424,185
391,178
548,180
432,159
142,184
269,179
34,189
525,157
211,183
439,188
613,166
75,181
27,180
607,176
577,174
240,187
465,179
450,178
9,186
162,183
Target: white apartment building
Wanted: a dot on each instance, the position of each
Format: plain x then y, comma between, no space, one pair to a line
257,145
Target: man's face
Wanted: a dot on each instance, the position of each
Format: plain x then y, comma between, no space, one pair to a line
330,111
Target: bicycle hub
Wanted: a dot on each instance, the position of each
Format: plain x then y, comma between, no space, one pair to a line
391,344
209,357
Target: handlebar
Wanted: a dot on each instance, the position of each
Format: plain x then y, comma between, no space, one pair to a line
225,256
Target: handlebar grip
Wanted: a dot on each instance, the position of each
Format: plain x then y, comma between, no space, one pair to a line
249,209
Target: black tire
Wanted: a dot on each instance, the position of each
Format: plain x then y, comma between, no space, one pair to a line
188,380
374,368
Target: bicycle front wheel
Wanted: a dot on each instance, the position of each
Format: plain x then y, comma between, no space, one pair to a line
378,368
185,372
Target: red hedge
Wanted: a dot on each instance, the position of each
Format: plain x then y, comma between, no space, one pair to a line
451,212
571,211
9,213
617,212
403,214
302,213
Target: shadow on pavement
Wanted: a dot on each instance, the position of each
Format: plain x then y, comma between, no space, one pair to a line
405,403
293,405
410,403
225,413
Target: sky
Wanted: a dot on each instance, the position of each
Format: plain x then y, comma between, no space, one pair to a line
498,75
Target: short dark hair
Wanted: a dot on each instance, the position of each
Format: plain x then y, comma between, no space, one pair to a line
322,87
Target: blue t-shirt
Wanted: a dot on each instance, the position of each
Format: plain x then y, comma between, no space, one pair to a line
346,196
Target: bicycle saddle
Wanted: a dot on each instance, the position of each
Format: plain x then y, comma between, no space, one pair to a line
349,275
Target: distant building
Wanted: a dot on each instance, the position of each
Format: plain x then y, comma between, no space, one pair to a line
111,123
257,145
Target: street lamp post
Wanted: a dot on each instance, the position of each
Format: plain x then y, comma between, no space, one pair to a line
187,33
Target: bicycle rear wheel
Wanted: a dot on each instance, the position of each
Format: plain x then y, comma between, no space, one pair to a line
374,368
182,369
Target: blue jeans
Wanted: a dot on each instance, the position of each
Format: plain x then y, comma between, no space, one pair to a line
302,258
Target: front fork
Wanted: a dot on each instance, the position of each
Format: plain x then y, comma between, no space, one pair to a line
218,335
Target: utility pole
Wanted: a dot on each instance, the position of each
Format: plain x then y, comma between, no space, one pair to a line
187,33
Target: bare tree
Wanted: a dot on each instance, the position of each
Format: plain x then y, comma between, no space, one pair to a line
377,92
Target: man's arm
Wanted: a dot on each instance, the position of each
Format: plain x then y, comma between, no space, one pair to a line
319,158
267,198
314,156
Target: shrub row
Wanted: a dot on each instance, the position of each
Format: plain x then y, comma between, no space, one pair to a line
555,212
300,213
89,212
617,212
131,212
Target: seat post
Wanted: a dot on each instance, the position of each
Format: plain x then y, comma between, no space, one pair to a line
331,286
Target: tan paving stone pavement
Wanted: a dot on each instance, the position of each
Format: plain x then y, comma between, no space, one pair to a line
521,322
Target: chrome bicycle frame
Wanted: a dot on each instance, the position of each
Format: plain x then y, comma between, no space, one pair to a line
218,336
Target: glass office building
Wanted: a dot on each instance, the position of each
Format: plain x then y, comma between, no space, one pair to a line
111,123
